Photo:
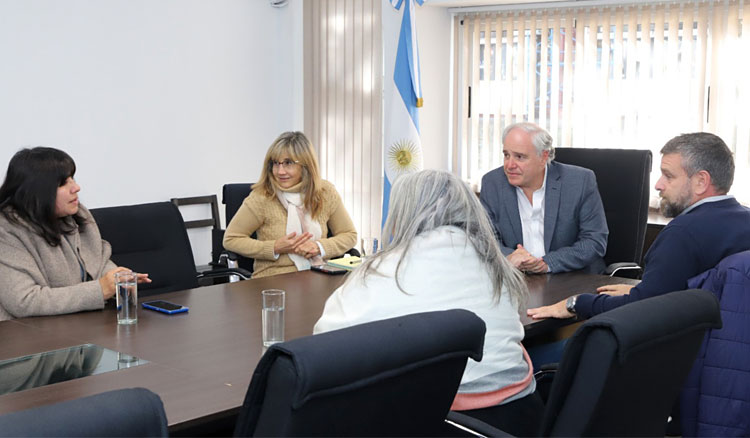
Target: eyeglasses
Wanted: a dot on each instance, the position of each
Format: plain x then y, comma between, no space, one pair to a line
286,164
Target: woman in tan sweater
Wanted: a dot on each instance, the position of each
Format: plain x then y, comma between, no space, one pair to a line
52,258
291,210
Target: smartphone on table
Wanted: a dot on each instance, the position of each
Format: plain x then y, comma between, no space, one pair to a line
165,307
328,269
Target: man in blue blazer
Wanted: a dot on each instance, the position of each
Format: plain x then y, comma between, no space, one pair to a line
548,216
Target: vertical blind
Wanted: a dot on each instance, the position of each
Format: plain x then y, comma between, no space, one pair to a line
343,109
609,76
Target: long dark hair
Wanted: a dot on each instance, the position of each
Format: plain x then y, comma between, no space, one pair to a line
30,188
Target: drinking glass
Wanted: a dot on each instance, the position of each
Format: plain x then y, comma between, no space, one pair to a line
273,316
370,245
126,291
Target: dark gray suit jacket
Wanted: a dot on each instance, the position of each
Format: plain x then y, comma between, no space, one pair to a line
575,228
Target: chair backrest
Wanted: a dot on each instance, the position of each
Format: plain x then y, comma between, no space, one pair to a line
214,221
134,412
395,377
232,196
150,238
623,178
622,370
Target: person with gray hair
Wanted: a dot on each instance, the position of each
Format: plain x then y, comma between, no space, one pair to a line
441,253
696,173
548,216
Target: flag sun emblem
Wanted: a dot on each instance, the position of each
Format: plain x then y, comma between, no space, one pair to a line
403,156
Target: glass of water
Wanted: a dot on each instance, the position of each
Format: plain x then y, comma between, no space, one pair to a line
126,291
273,316
369,245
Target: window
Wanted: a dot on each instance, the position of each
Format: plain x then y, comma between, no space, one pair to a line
612,76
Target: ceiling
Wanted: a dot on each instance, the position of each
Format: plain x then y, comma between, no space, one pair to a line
471,3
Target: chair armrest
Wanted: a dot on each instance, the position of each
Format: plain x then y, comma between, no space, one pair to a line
227,259
473,426
546,368
624,269
544,378
224,260
225,272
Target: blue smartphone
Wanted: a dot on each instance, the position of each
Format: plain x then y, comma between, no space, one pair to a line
165,307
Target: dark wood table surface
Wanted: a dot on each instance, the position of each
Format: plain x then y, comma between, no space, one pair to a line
549,289
201,362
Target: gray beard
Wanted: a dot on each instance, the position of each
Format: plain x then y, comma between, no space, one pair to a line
670,209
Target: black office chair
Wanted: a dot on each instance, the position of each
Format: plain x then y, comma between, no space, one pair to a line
395,377
232,196
623,179
152,238
134,412
214,221
622,370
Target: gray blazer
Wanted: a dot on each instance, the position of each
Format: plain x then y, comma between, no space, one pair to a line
39,279
575,228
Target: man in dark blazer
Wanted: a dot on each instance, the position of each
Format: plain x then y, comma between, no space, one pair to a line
548,216
697,171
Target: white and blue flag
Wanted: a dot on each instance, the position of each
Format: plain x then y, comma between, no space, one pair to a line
402,146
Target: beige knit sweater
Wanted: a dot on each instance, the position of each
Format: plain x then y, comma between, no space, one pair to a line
267,218
39,279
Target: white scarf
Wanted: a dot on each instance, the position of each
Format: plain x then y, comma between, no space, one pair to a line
299,220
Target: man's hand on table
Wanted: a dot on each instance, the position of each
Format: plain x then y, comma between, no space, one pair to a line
534,266
557,310
525,262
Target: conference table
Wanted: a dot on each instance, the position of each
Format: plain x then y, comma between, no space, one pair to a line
200,363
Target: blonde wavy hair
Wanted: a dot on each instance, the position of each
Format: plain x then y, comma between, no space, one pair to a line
296,146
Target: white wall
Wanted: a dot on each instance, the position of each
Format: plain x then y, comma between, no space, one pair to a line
433,37
153,99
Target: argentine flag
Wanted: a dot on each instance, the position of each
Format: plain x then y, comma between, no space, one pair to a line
402,146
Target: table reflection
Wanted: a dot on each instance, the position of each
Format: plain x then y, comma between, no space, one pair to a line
32,371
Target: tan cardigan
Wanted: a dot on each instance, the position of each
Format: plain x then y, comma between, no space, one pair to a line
266,217
39,279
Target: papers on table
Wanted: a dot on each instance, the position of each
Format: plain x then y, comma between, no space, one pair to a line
349,262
